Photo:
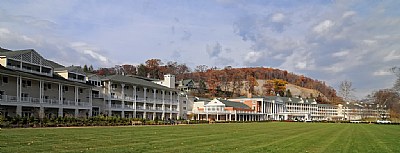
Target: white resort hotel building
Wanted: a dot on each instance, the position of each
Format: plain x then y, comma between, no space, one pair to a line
278,108
31,85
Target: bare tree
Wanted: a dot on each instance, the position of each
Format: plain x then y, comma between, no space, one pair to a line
346,90
396,71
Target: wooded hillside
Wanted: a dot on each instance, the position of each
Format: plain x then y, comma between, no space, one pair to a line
228,82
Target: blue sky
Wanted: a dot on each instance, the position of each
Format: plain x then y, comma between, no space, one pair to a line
328,40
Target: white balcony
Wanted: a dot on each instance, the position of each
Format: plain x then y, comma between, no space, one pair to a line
140,99
30,71
117,106
35,102
98,96
129,107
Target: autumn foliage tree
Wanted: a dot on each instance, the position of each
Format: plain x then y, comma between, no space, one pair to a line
278,86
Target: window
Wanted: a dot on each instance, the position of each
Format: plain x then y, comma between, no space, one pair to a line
65,88
184,102
80,90
5,79
113,86
184,108
47,86
24,95
26,83
126,87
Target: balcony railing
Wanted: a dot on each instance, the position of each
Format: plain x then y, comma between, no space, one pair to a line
32,100
27,70
98,96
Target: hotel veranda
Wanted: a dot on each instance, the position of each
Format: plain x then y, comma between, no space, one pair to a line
31,85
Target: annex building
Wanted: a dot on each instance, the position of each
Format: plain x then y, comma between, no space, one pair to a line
279,108
31,85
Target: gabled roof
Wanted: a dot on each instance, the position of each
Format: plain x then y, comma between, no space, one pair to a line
186,82
4,50
136,81
234,104
76,69
26,55
54,64
143,78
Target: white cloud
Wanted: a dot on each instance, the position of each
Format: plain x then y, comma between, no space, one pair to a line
382,73
252,57
278,17
324,26
4,31
340,54
348,14
88,50
393,55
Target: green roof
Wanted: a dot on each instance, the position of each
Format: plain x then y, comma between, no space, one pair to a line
234,104
76,69
15,53
54,64
136,81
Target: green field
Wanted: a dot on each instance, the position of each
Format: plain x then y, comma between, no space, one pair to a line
244,137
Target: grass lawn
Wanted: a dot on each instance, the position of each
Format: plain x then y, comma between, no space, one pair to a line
245,137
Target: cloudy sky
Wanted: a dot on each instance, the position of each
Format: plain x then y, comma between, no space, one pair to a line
327,40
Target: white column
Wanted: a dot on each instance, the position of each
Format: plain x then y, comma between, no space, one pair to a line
236,119
134,103
154,103
109,99
60,101
123,100
178,106
163,105
170,105
41,112
145,105
76,101
19,110
76,112
19,88
40,91
90,103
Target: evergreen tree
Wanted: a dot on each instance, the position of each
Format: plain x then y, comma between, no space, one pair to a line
85,68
